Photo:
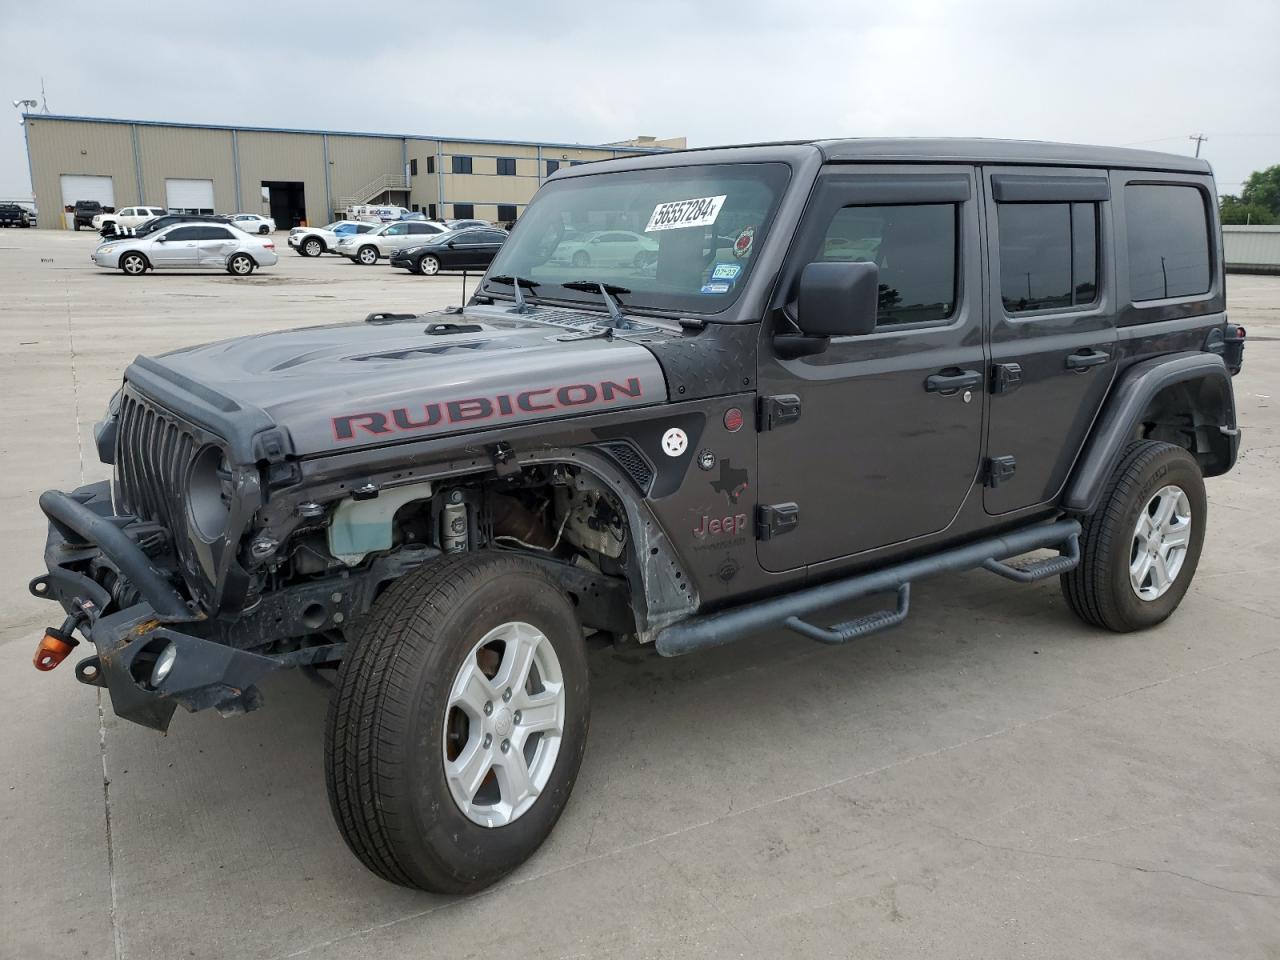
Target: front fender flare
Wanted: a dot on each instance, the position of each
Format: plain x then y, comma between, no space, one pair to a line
1122,414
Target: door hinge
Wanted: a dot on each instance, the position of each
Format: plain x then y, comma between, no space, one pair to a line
775,519
1006,377
998,470
778,411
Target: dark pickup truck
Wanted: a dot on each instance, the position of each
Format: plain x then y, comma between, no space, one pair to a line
787,376
14,215
85,211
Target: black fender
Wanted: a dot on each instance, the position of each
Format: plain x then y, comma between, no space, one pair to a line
1125,410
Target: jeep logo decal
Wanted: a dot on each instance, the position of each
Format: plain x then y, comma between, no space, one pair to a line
543,400
726,526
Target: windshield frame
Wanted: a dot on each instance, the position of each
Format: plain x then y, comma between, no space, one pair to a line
772,225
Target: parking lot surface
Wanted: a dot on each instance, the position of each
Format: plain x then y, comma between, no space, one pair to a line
992,779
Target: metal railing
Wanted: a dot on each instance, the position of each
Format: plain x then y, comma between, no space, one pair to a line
380,185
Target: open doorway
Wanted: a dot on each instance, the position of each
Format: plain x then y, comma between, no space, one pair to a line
287,200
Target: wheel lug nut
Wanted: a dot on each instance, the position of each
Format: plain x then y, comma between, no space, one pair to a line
488,739
516,717
506,745
506,694
488,707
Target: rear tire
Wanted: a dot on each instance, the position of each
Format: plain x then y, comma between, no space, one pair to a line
241,265
1135,565
402,724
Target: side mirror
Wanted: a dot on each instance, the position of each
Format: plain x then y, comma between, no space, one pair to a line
838,299
450,244
163,239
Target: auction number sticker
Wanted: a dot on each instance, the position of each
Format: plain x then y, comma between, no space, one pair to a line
698,212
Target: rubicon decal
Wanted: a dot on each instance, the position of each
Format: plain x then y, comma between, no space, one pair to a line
526,404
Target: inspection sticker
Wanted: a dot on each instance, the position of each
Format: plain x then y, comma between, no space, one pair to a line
698,212
726,271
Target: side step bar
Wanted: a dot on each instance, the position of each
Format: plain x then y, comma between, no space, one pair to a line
716,629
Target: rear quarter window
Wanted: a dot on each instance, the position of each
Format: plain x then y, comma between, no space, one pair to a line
1168,241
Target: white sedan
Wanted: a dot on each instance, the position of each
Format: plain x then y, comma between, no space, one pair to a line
188,246
252,223
618,248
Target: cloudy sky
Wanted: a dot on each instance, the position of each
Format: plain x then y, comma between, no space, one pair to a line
1132,72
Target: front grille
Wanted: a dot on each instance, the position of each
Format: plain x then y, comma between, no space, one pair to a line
153,451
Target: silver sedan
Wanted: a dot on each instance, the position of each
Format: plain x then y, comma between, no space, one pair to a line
188,246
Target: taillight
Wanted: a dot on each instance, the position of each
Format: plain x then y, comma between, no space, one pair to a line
268,244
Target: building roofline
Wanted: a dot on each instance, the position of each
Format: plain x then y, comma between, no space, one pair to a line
339,133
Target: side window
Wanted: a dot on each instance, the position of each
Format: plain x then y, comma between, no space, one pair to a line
461,164
1048,255
492,236
396,230
126,212
506,166
364,227
1168,236
552,166
914,247
420,228
183,233
216,233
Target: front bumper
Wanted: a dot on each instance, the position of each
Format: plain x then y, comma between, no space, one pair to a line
83,534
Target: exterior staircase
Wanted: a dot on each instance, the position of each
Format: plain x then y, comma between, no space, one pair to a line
371,191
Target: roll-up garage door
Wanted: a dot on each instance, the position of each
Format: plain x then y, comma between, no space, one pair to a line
80,187
189,196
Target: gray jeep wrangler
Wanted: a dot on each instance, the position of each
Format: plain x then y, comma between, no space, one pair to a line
697,396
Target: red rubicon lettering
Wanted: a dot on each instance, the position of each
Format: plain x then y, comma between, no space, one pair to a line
461,411
400,416
525,401
344,428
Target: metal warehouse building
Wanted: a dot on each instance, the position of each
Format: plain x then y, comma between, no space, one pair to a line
293,175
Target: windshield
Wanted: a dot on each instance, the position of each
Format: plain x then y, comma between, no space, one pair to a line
677,238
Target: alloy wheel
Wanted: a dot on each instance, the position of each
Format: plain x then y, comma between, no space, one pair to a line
1160,540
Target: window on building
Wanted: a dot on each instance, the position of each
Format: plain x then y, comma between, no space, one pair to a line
576,163
461,164
506,166
1048,255
431,211
431,164
915,249
464,211
507,212
413,166
1168,233
415,208
552,166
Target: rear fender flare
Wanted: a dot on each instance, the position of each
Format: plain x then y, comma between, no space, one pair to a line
1201,386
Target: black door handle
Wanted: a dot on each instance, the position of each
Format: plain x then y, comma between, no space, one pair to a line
1087,358
950,380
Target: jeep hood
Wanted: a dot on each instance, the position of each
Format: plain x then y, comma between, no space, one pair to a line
350,385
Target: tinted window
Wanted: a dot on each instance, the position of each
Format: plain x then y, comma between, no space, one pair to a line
915,249
552,166
396,230
1168,241
215,233
461,164
492,236
507,211
463,211
183,233
507,166
413,166
1048,255
420,228
364,227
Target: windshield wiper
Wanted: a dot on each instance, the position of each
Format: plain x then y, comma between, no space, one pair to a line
604,290
516,283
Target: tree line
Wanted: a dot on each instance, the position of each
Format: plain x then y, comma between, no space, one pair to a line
1258,202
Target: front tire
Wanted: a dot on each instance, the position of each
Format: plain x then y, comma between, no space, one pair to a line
312,247
133,264
367,255
1139,549
581,259
459,723
241,265
428,266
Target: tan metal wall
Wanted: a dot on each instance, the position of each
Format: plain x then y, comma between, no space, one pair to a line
1251,249
187,153
357,161
283,156
96,149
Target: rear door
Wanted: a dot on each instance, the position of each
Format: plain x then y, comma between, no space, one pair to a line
216,245
879,437
1052,325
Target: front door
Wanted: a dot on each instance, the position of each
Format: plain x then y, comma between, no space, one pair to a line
1052,324
181,248
888,441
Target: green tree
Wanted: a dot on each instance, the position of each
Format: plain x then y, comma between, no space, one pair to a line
1235,210
1263,189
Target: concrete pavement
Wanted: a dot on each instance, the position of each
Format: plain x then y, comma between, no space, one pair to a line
991,780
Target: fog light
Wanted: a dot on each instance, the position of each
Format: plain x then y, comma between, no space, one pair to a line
164,663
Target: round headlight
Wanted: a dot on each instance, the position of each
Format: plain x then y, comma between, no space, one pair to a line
209,493
164,663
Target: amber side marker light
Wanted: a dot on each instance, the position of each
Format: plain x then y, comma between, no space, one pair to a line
53,648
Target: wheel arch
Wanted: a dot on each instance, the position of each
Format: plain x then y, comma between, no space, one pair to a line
1185,399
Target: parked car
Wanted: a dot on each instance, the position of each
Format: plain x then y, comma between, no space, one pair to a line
84,211
113,231
463,224
126,217
253,223
14,215
386,240
611,248
471,249
1036,358
374,213
313,241
188,246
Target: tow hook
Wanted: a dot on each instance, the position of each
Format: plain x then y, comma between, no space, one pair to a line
56,644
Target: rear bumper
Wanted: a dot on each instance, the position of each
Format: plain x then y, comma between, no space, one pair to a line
84,535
